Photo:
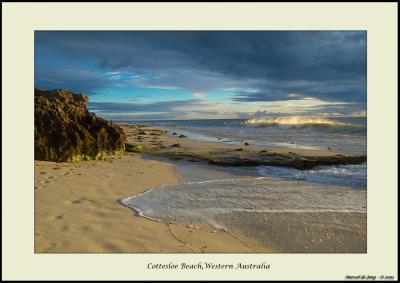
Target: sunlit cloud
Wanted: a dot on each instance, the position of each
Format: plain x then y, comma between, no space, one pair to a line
198,95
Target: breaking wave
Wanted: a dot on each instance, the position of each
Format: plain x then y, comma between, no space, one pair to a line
293,121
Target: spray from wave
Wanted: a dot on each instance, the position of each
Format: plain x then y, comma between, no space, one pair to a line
293,121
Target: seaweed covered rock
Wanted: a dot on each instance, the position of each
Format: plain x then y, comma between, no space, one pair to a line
66,131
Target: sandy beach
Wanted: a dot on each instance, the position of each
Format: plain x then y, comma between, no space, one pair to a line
78,205
77,210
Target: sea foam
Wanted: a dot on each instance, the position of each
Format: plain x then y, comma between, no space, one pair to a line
289,216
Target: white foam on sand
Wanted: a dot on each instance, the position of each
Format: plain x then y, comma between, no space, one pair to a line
290,216
202,201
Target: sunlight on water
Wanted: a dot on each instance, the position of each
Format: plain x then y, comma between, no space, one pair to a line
293,120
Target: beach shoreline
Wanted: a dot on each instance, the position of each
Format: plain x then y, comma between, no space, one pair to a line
78,207
156,141
78,210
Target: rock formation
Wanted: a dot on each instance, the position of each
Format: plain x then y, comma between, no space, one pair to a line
66,131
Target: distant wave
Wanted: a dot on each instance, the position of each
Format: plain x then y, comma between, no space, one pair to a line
294,121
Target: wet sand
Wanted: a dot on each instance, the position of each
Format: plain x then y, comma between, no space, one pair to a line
77,210
306,232
288,216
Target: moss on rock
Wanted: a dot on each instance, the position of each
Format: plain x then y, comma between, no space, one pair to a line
135,148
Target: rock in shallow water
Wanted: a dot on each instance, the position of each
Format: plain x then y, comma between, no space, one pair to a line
66,131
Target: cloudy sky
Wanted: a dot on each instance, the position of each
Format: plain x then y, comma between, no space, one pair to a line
205,75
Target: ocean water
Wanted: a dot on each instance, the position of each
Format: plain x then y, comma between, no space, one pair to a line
351,176
289,216
317,210
343,134
348,135
197,200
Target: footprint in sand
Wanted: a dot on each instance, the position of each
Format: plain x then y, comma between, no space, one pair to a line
80,200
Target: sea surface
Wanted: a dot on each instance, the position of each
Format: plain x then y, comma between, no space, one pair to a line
342,134
348,135
317,210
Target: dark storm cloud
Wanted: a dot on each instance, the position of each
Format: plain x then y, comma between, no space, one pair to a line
325,65
333,90
70,77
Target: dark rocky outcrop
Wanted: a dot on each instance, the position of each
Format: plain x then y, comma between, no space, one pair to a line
66,131
271,159
285,160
